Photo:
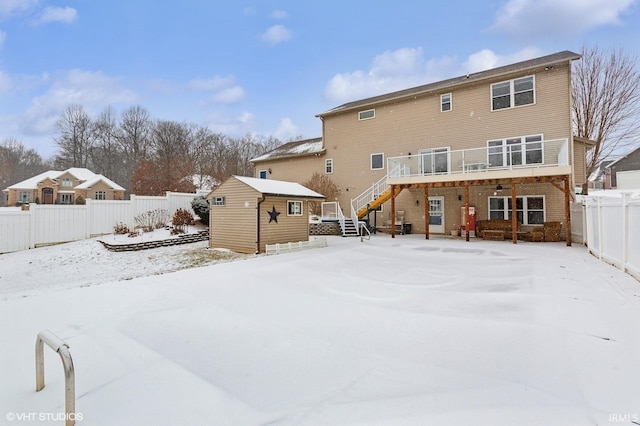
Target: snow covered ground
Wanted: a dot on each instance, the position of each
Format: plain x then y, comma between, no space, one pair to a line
397,331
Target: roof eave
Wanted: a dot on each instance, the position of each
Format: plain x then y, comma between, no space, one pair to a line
281,157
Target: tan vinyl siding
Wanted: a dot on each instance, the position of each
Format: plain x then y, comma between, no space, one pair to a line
297,169
288,228
234,225
405,126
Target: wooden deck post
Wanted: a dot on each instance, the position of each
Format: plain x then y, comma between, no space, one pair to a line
514,214
466,210
567,209
426,212
392,215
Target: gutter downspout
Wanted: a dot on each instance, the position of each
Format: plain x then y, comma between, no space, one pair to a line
258,224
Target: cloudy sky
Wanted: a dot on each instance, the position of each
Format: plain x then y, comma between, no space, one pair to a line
267,67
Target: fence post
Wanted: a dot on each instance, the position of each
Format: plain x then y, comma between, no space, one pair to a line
87,218
33,213
625,229
600,236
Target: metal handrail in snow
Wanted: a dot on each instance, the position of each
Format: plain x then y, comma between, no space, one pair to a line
55,343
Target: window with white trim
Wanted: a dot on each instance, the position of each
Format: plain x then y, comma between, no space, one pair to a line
294,208
24,197
529,209
377,161
517,151
262,174
367,115
66,198
328,165
67,183
218,201
445,102
101,195
513,93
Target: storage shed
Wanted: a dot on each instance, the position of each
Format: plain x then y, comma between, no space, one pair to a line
248,213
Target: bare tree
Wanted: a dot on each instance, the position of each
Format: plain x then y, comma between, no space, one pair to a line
323,185
106,153
606,102
75,137
135,127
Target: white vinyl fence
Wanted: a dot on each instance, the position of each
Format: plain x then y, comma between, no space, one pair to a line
613,226
55,223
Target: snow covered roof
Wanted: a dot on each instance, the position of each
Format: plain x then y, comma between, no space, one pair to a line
89,183
32,183
87,176
278,187
293,149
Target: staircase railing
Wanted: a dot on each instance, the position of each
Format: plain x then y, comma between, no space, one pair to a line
369,194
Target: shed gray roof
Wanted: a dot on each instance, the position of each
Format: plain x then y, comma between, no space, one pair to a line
293,149
542,61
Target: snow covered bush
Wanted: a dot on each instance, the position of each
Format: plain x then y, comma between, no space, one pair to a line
200,205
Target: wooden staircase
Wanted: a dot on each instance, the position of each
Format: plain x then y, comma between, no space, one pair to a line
377,202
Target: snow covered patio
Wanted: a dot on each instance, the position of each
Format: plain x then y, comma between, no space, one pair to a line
399,331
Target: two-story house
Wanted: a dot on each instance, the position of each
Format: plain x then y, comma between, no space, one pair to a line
481,143
63,187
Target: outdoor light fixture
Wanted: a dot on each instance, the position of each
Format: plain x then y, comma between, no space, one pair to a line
269,170
499,187
417,202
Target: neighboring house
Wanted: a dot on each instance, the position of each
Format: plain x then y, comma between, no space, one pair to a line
247,213
599,179
63,187
486,140
628,162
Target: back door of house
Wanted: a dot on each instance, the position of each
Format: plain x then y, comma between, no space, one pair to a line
436,215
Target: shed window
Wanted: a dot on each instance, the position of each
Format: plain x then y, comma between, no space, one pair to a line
294,208
218,201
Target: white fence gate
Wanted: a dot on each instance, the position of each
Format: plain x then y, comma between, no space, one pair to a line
45,224
613,226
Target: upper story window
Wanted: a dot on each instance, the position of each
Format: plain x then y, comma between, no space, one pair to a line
294,208
101,195
445,102
218,201
512,93
377,161
328,165
67,183
262,174
518,151
366,115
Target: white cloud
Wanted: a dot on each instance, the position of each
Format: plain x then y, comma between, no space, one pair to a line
224,88
231,126
279,14
390,71
275,34
65,15
9,8
551,18
93,90
286,129
230,95
487,59
407,67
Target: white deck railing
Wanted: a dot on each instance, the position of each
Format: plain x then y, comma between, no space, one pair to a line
480,160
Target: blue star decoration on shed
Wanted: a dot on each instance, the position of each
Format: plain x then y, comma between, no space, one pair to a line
273,215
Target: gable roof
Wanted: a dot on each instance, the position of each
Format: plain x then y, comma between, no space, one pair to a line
293,149
278,187
612,163
543,61
98,178
79,173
